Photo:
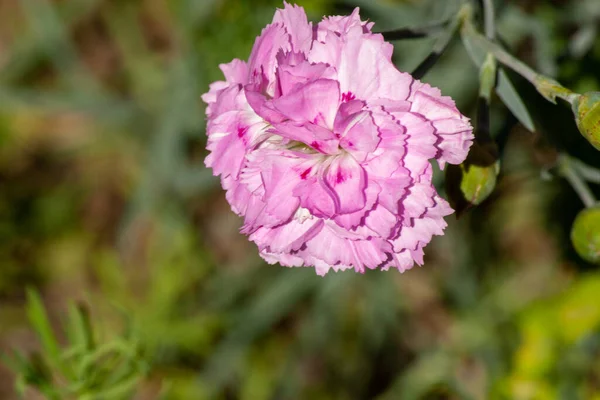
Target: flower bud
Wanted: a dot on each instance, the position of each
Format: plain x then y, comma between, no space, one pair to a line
585,234
470,183
587,116
479,182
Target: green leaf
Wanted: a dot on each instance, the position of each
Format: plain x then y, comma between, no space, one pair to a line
38,317
79,330
477,53
504,88
487,77
507,92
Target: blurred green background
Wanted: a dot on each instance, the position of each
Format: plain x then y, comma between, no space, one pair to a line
104,199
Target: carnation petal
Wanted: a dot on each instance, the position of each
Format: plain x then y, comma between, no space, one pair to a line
292,73
315,101
288,237
263,60
342,25
455,140
293,18
237,194
452,128
236,72
226,143
280,176
347,180
262,107
402,261
420,231
318,138
221,98
331,248
419,197
371,253
287,260
381,221
353,220
393,191
364,66
315,196
359,135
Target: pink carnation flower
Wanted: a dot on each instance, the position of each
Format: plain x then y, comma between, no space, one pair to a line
323,146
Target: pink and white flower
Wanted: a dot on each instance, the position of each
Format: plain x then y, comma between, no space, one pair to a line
323,146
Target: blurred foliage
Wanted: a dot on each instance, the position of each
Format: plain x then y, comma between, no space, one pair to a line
104,200
87,369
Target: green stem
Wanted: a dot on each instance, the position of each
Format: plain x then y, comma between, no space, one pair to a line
487,82
587,172
567,170
488,69
547,87
489,18
487,77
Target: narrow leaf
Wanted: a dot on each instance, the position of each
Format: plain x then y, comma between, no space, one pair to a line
504,88
477,53
80,328
39,320
507,92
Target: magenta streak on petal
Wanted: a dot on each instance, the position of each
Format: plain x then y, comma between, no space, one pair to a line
304,174
348,96
340,176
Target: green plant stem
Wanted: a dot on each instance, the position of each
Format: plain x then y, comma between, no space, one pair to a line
570,173
547,87
487,77
487,82
587,172
488,70
489,19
